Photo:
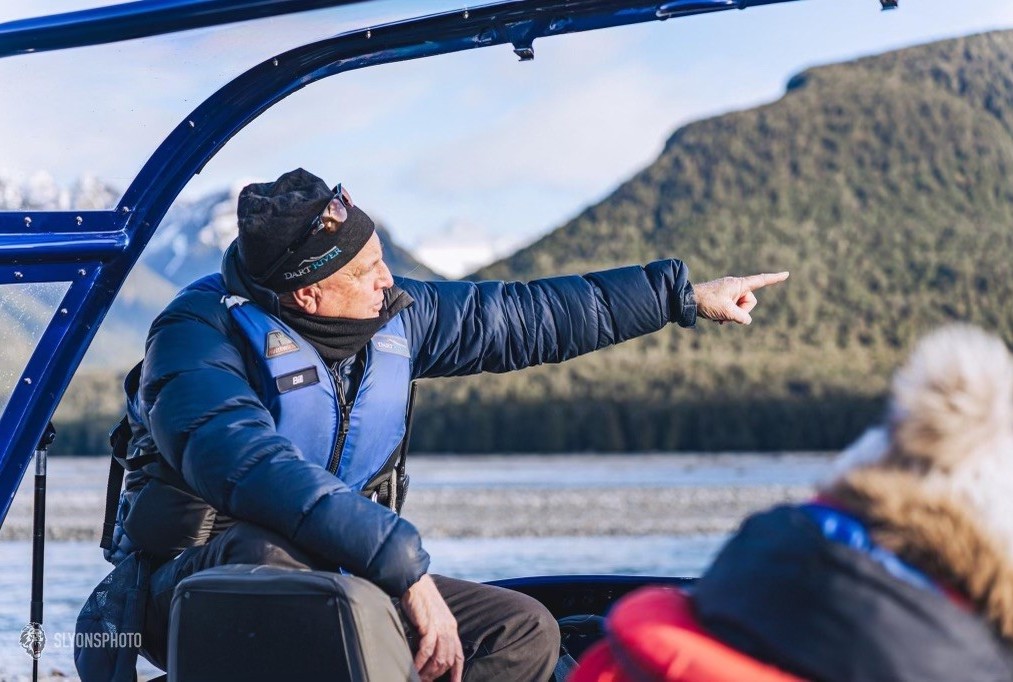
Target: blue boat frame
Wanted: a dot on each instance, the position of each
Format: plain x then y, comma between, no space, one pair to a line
94,251
140,20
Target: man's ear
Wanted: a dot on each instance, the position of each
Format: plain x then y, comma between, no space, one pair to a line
307,298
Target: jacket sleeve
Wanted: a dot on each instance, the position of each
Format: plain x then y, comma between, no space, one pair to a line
211,427
459,328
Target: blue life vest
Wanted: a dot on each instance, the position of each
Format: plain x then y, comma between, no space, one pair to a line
299,391
846,529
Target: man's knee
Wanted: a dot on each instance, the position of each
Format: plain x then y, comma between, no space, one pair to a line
248,543
547,629
536,627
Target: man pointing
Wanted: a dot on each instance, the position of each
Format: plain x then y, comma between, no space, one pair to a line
298,467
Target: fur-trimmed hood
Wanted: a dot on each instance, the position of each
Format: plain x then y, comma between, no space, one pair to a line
935,485
938,533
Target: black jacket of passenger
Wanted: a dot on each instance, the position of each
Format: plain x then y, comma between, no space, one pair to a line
782,593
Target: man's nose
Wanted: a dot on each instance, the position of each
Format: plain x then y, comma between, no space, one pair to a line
387,280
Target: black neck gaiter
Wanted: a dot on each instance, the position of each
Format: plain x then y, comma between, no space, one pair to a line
337,338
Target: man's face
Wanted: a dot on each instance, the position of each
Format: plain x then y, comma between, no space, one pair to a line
356,290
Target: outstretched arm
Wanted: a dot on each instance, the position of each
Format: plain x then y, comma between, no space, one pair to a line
458,328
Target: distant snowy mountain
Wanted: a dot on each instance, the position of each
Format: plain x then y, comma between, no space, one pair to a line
193,236
41,192
188,244
461,248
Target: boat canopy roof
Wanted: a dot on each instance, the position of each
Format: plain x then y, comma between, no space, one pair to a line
83,257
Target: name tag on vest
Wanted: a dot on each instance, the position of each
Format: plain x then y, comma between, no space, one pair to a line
386,343
299,379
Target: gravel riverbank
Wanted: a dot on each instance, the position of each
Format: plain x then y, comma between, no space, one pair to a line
488,513
671,495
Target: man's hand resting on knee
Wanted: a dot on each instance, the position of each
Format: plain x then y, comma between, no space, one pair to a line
439,645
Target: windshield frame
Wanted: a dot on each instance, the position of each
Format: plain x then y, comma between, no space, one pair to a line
141,19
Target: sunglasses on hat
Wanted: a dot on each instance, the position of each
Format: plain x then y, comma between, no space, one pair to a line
330,219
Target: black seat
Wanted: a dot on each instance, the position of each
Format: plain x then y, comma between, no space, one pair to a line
245,622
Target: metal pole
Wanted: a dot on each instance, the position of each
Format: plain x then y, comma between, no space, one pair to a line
33,637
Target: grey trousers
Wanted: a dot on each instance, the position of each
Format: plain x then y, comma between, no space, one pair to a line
507,636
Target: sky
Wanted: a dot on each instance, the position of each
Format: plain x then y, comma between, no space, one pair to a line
474,145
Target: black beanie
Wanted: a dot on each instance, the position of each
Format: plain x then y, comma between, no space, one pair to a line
274,215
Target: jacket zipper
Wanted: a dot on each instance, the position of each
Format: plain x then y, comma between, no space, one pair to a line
346,411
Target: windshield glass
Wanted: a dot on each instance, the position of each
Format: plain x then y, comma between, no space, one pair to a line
25,311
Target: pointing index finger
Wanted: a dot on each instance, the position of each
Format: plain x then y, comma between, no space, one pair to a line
754,282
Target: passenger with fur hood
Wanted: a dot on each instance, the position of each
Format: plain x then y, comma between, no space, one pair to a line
900,569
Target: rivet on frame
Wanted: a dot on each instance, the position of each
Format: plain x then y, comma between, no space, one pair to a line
28,380
82,272
369,34
466,15
28,221
64,311
79,220
275,61
125,209
192,125
19,275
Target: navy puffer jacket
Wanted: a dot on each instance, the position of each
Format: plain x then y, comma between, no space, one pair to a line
198,406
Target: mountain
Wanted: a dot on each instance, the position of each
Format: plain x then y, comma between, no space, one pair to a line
41,192
882,184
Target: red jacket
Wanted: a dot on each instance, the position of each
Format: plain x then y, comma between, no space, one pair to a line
652,636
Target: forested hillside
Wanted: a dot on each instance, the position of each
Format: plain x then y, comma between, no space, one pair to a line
883,185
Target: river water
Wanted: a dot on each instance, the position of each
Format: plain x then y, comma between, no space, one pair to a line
73,568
